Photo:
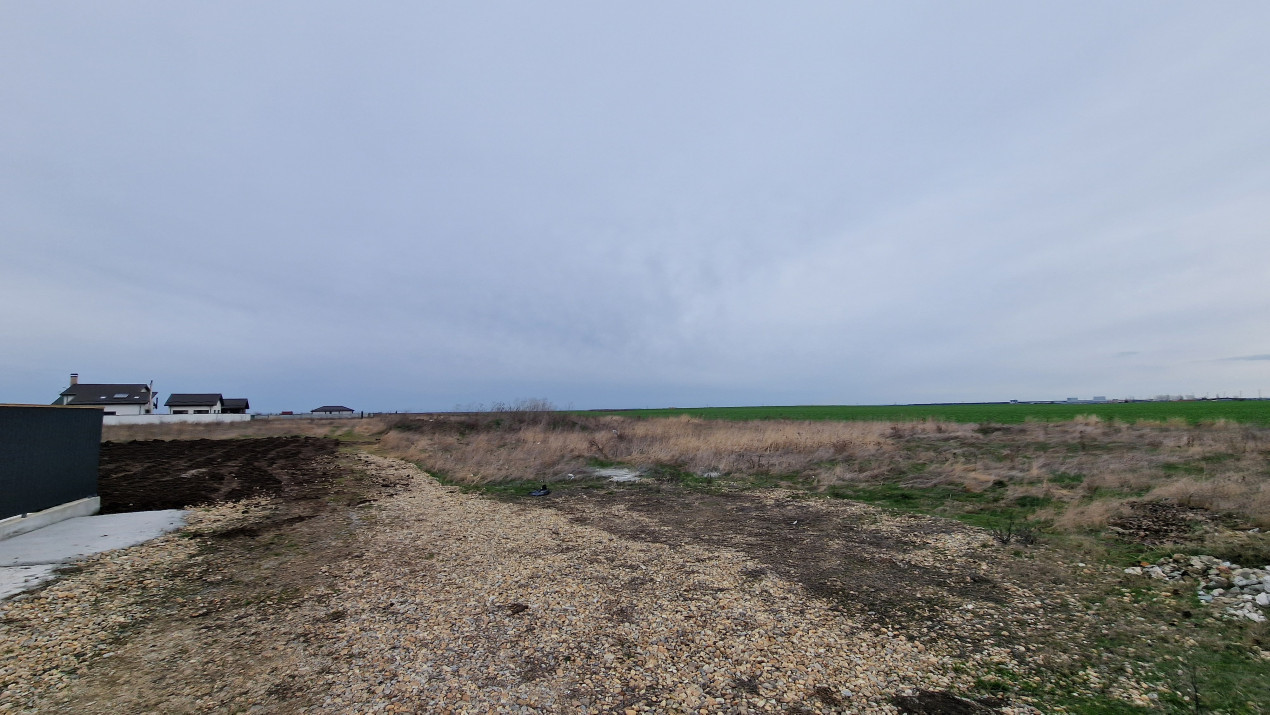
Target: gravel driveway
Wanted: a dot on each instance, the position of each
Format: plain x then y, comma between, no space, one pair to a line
431,600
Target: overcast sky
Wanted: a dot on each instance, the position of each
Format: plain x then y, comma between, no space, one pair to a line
413,206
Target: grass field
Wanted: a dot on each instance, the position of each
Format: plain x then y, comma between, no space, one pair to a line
1089,487
1244,411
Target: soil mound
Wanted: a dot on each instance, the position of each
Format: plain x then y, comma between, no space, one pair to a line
162,474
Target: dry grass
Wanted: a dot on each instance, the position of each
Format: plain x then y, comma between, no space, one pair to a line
1236,493
311,427
541,449
1085,470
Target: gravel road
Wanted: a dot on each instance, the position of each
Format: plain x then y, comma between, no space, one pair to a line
432,600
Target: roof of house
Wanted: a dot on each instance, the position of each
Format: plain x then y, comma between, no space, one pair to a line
236,403
333,408
192,399
107,394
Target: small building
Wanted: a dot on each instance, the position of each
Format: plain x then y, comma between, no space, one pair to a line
113,398
333,410
235,406
194,403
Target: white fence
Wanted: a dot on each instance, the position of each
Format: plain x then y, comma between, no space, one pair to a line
169,419
317,416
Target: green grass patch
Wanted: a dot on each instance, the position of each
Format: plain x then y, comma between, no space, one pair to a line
1066,478
989,509
1182,468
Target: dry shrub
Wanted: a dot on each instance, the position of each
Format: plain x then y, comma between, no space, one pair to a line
1090,515
974,477
1116,480
1245,495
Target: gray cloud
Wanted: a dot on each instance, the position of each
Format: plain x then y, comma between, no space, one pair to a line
725,204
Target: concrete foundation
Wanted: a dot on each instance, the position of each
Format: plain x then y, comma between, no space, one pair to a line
21,524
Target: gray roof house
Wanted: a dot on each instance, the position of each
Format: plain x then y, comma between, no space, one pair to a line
197,403
235,406
331,409
113,398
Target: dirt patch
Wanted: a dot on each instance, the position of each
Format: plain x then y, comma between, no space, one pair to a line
1156,523
936,703
912,573
246,576
163,474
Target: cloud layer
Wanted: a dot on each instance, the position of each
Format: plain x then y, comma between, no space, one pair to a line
716,204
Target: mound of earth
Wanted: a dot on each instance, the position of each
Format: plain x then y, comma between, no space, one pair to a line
1156,523
163,474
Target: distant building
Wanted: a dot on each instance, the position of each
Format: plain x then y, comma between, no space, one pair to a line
235,406
333,410
194,403
113,398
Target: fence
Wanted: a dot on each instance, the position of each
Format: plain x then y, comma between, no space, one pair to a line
48,456
318,416
168,419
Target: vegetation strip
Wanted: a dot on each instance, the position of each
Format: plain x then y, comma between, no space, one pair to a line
1054,512
1255,412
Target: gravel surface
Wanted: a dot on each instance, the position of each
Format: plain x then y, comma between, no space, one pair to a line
431,600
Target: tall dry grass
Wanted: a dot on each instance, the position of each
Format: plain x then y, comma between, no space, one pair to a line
1089,468
539,449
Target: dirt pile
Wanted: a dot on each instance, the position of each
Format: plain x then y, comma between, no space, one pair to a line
161,474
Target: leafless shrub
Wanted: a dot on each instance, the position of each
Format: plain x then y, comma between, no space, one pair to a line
1013,531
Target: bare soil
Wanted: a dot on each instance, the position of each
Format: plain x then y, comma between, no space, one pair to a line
171,474
907,573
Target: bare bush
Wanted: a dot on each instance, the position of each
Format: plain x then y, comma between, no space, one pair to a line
1014,531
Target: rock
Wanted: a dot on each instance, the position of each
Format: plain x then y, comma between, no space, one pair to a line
1134,570
1245,577
1263,599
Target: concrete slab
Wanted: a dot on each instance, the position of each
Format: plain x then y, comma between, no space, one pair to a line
76,538
30,559
21,524
16,579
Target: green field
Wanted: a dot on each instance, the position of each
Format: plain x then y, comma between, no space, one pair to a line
1245,411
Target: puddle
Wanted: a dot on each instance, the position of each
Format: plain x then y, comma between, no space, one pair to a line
619,474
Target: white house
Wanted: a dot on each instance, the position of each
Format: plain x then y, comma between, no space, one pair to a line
192,403
114,399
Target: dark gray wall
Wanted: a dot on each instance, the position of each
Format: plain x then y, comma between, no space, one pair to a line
48,456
